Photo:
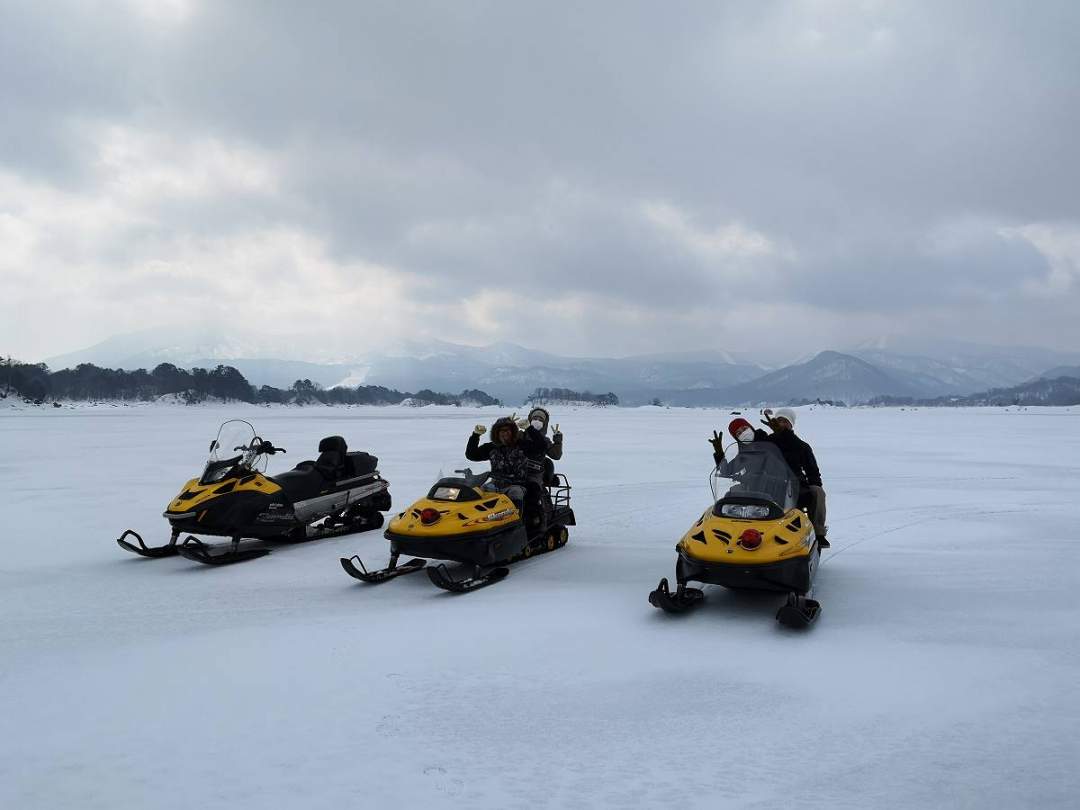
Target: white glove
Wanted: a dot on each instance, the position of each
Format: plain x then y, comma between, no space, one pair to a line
522,424
479,430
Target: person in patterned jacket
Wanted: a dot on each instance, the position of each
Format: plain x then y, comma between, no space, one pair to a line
508,452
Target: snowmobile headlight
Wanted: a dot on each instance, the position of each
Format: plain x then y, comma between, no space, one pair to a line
744,510
213,476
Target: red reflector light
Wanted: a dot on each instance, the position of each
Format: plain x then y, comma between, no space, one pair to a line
750,539
429,516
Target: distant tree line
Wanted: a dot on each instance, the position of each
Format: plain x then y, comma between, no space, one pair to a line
35,382
836,403
1061,391
555,396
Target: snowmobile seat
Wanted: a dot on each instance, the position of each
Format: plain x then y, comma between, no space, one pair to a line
331,460
300,484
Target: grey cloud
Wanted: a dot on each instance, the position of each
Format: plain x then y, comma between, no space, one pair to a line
429,138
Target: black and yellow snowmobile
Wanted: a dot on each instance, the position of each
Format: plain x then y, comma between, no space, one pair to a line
338,493
752,537
460,521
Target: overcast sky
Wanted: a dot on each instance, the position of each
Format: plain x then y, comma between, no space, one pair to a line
598,178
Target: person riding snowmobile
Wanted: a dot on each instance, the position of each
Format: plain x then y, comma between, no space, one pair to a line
508,453
800,457
540,470
797,453
740,430
542,447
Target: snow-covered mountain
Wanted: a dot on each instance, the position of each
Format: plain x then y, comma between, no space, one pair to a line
1061,371
829,375
505,370
183,345
956,367
510,372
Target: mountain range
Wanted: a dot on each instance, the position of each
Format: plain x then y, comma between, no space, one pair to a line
510,372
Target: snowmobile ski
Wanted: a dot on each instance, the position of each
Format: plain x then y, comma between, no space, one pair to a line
196,550
143,550
383,574
798,611
440,577
681,601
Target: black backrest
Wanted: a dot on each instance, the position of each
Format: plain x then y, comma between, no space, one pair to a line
333,443
331,460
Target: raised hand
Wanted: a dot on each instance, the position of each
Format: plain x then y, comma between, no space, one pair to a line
717,442
479,430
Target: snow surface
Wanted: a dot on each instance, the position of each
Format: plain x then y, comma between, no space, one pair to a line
943,672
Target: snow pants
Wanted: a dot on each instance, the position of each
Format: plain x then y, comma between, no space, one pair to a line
812,499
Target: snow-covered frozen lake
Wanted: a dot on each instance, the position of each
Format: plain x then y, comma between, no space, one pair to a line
944,671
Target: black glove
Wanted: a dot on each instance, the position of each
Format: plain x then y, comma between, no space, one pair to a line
717,442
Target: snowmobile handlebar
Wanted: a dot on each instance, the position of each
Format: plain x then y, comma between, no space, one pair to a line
263,447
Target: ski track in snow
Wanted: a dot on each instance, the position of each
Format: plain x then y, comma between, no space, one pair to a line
943,671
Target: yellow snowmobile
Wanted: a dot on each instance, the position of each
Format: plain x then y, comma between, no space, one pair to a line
752,537
462,522
339,493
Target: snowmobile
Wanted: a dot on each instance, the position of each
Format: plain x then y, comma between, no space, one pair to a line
338,493
753,537
460,521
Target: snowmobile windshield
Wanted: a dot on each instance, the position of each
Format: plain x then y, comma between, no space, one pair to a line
459,471
757,472
236,444
457,482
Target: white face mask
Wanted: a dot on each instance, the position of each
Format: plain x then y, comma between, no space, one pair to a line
746,435
537,423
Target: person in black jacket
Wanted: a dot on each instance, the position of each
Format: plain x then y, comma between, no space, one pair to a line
800,457
540,470
540,446
508,453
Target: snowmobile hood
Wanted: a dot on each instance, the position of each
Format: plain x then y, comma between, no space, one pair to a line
195,495
720,539
431,518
